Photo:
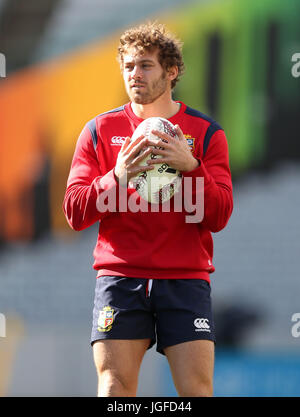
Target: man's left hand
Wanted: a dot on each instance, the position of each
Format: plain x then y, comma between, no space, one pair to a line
174,151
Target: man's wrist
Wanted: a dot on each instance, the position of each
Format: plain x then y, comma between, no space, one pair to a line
194,165
115,175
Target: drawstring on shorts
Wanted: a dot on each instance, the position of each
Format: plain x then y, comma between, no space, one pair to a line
148,287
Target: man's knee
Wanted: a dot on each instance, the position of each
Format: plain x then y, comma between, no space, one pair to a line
197,384
196,388
113,383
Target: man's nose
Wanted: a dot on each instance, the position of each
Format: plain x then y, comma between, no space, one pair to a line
136,72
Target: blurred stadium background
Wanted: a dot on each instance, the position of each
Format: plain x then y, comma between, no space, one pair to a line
61,71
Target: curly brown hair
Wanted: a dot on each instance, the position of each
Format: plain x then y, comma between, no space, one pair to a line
149,36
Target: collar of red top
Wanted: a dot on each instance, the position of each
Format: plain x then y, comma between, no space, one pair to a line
174,119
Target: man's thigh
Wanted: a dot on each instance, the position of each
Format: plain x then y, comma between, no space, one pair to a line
121,357
186,333
123,329
192,367
118,363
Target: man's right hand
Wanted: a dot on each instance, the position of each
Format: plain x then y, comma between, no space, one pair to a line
129,157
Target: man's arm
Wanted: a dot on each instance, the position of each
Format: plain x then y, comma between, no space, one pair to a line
85,184
214,168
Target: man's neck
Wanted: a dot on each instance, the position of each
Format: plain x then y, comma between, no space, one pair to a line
160,108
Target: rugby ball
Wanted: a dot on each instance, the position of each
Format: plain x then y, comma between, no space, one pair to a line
161,183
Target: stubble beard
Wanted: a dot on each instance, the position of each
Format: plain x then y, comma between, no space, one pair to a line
152,93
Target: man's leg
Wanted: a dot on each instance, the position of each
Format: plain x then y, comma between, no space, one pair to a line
118,363
192,367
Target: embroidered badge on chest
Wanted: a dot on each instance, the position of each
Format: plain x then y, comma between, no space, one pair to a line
190,141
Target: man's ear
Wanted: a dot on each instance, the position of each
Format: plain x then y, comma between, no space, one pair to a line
172,72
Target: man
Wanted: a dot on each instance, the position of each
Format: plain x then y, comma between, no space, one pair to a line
153,267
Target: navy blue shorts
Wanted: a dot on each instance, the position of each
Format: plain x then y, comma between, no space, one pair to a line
169,311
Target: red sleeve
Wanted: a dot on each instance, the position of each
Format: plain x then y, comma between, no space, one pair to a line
214,168
85,185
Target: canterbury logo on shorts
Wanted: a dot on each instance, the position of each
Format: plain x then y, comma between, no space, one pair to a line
202,325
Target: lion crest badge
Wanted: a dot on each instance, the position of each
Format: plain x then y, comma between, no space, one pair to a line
106,319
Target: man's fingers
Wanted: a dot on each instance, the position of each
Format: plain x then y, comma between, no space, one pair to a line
179,132
158,161
159,151
135,170
135,150
134,143
125,143
142,155
163,136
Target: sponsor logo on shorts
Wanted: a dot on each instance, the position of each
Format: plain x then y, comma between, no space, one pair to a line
202,325
117,140
106,319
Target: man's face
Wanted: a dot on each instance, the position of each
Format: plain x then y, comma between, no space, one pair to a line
145,79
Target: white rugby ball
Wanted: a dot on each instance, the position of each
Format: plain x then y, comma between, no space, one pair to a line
161,183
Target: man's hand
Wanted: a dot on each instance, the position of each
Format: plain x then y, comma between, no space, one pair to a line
175,152
129,157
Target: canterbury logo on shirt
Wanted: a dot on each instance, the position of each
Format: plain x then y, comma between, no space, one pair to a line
117,140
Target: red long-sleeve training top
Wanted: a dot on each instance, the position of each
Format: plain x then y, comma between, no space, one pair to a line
148,244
